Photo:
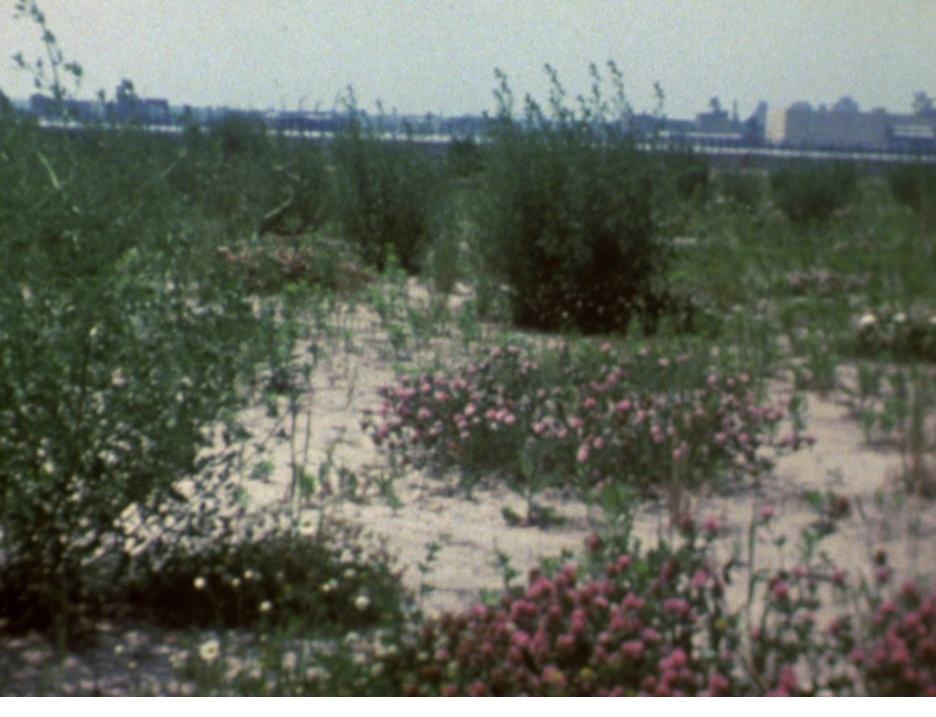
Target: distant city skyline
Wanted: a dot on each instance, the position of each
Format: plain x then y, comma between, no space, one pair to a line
439,56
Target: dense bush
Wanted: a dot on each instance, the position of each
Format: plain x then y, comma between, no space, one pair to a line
914,185
212,564
813,193
685,174
387,195
119,359
245,183
465,158
743,189
568,217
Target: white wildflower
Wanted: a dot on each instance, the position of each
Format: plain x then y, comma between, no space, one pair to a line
316,673
178,659
352,637
290,660
900,317
209,650
362,602
308,528
867,320
199,583
233,668
265,607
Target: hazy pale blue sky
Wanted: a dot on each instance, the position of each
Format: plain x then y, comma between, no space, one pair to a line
440,55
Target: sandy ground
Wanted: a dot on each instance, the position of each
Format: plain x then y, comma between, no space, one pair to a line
471,532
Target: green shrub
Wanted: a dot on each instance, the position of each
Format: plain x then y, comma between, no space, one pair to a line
914,186
465,158
246,183
238,134
686,174
386,193
813,193
211,564
567,220
118,359
744,189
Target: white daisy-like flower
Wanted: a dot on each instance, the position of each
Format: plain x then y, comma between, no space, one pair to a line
265,607
900,317
308,528
867,320
315,673
362,602
209,650
199,583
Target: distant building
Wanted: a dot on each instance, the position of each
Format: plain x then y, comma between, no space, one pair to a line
80,110
845,127
915,133
835,129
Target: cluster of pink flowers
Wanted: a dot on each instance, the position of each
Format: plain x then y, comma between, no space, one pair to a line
568,635
620,623
626,621
600,417
901,659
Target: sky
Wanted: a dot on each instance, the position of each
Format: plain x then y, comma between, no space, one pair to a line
439,56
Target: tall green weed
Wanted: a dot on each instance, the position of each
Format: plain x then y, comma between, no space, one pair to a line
567,221
386,195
